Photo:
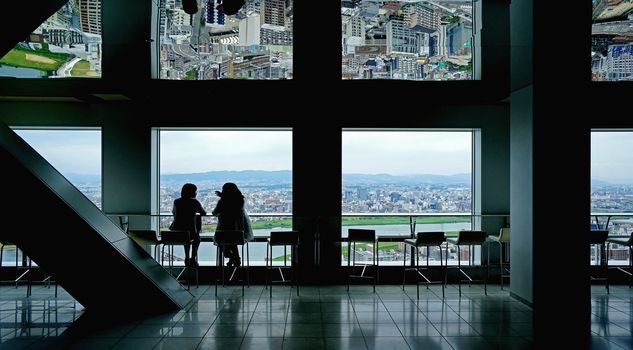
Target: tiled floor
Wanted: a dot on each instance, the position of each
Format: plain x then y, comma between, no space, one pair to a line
325,317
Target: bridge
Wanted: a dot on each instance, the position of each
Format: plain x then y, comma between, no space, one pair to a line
623,28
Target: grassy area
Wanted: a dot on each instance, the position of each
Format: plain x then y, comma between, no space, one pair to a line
82,69
192,74
281,258
17,57
355,221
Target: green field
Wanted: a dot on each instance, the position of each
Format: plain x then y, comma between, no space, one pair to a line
17,57
82,69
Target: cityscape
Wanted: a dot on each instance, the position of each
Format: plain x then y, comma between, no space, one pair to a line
612,40
68,44
255,43
408,40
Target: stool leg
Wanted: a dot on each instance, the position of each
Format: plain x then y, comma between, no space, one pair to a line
417,266
404,266
482,272
349,246
269,272
294,262
440,246
375,264
459,271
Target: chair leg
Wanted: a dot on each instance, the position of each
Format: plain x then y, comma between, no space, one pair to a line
417,266
349,248
376,264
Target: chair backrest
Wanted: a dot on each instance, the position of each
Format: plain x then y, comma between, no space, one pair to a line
175,237
228,237
361,235
284,237
430,238
471,237
504,234
598,236
143,237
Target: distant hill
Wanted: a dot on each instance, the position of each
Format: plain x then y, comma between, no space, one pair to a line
245,177
84,178
376,179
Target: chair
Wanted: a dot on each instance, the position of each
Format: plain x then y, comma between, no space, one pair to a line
503,240
223,238
146,237
285,239
428,240
174,238
361,236
599,238
627,242
22,269
468,238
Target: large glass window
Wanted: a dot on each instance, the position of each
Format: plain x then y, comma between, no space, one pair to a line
76,154
255,43
612,190
259,162
409,40
399,182
611,41
68,44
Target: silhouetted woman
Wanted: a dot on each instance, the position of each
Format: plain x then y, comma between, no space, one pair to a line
232,216
185,209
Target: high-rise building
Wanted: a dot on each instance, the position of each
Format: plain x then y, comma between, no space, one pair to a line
90,16
214,16
620,62
420,15
274,12
249,29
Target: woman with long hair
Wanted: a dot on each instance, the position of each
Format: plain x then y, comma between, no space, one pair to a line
232,216
185,211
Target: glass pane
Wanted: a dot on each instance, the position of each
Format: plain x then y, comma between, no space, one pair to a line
76,154
611,40
67,44
392,179
254,43
612,191
258,162
408,40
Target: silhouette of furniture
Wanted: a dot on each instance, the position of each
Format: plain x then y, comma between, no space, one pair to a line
178,238
428,240
503,242
361,236
282,239
599,238
469,239
145,238
627,242
222,239
22,268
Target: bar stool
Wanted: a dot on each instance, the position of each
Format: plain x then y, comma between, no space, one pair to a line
428,240
223,238
468,238
171,239
503,240
627,242
285,239
146,237
599,238
361,236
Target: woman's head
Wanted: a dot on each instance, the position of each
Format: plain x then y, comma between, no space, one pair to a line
230,190
188,191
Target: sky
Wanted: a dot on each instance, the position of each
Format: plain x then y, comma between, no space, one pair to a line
612,156
187,151
69,151
407,153
212,150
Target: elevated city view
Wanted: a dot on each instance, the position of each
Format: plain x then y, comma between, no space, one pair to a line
68,44
612,40
408,40
255,43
